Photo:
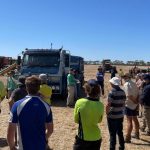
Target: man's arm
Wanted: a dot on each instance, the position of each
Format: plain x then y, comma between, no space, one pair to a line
109,101
129,95
49,130
11,135
76,113
108,105
135,100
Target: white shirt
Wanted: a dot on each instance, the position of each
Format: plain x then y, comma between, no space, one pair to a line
131,89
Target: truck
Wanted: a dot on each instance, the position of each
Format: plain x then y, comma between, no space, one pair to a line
106,65
53,62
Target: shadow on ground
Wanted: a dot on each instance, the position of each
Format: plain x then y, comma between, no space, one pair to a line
58,101
3,142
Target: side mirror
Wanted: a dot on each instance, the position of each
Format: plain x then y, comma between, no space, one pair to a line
19,60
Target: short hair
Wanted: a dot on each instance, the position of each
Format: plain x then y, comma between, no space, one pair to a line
32,84
92,91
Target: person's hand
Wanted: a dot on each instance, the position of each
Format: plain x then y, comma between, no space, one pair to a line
108,108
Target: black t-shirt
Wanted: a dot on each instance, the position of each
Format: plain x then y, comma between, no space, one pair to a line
18,94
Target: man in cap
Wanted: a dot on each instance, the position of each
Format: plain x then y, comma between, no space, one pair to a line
145,101
115,113
131,109
100,78
45,90
71,83
18,93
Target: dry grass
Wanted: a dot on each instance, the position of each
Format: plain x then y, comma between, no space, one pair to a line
64,127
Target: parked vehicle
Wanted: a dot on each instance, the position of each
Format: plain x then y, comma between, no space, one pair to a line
53,62
106,65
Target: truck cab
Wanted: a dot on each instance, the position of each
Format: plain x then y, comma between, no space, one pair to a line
47,61
106,65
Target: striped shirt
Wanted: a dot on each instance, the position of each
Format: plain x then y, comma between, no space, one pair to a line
116,98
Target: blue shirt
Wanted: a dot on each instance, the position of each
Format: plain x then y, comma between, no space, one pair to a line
100,76
145,96
31,114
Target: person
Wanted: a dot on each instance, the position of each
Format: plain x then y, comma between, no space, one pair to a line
71,83
115,113
2,92
33,118
131,107
11,84
113,71
145,101
121,73
100,78
88,112
18,93
140,84
77,76
45,90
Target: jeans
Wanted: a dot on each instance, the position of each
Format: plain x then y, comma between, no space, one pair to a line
115,127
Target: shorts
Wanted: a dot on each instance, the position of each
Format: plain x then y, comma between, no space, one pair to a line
130,112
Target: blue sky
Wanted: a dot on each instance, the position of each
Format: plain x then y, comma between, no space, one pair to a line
94,29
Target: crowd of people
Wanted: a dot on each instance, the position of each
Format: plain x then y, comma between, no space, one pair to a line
31,119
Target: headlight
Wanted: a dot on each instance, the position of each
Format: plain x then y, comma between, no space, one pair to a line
53,87
57,87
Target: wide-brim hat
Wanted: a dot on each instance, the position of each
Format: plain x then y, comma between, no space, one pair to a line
115,81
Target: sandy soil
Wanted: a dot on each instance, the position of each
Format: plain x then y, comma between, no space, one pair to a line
64,127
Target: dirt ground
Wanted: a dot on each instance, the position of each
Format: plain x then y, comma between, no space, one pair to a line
64,127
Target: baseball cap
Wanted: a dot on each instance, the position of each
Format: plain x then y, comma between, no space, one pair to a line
146,77
115,81
43,77
92,82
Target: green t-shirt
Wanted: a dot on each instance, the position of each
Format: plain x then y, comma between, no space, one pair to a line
11,85
71,80
88,114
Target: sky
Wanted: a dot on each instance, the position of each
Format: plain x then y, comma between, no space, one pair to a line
93,29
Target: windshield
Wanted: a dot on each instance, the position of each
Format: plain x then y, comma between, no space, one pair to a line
49,60
74,59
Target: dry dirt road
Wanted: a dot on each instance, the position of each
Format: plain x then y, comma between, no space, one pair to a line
64,127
